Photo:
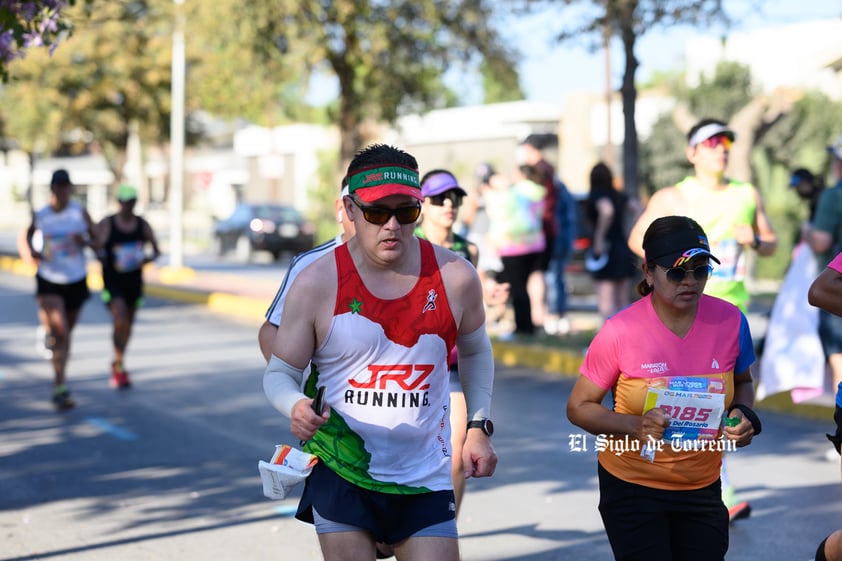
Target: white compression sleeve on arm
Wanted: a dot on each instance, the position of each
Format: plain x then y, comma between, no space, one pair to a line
282,385
476,372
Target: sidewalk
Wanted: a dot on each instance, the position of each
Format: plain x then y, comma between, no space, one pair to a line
248,298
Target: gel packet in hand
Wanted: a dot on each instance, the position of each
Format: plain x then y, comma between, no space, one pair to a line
287,468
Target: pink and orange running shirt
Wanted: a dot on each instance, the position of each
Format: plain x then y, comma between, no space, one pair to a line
636,356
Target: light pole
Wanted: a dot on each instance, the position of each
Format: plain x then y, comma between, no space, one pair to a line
177,140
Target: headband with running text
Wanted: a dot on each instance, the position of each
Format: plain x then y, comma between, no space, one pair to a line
377,182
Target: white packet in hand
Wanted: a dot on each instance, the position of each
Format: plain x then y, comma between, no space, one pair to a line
288,467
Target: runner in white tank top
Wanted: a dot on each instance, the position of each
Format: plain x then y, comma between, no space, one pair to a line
377,317
65,229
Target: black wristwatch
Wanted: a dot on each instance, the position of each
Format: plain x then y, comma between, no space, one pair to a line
485,425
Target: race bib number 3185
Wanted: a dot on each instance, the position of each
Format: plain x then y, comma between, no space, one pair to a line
695,405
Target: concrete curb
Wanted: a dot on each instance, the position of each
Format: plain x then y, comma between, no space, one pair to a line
554,360
564,362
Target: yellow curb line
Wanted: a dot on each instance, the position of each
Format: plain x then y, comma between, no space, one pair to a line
782,403
184,295
555,361
17,266
217,302
245,307
20,267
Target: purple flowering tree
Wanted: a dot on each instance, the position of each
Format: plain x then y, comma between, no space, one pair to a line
29,24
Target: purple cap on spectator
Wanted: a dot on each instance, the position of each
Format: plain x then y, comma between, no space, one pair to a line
440,182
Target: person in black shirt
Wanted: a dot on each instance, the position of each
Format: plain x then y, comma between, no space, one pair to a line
124,238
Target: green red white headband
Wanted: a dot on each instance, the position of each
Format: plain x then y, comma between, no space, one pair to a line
377,182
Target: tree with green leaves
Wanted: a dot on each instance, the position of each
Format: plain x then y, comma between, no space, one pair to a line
229,79
388,58
777,132
722,96
114,73
628,20
500,82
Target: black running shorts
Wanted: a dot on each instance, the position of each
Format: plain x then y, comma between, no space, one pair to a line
128,286
73,294
390,518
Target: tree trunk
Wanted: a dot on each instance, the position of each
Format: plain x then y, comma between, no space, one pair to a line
349,130
629,95
349,104
745,123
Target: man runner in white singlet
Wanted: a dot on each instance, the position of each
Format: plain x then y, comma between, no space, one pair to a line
377,317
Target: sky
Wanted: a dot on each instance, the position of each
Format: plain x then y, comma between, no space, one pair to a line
550,71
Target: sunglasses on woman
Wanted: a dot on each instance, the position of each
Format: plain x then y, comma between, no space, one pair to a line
676,274
715,141
453,196
379,215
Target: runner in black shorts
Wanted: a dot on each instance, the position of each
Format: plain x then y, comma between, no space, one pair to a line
65,229
334,505
128,286
74,294
61,304
124,237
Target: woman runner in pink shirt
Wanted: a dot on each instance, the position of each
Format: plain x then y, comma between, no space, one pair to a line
677,364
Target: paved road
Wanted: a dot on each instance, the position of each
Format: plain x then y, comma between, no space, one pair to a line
168,471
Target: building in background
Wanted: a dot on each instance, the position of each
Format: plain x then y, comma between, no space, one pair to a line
283,162
461,138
